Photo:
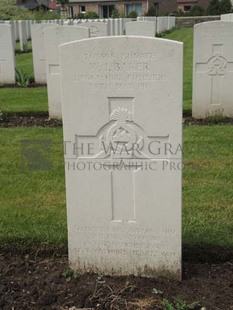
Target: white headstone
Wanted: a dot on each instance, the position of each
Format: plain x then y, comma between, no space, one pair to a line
112,27
141,28
162,24
213,69
171,22
97,29
227,17
16,30
53,38
38,51
22,34
122,104
12,24
7,55
68,22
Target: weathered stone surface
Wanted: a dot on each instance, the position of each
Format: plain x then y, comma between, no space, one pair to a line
122,111
213,69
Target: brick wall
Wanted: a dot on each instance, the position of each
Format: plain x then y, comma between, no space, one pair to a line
165,6
120,6
90,7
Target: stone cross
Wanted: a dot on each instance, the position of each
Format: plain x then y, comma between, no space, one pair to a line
216,67
121,149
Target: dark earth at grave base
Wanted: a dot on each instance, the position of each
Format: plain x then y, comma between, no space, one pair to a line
46,282
24,119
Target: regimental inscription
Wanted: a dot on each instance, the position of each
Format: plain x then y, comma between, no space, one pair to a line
120,71
216,67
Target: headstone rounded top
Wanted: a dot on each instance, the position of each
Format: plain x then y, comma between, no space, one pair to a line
124,38
213,24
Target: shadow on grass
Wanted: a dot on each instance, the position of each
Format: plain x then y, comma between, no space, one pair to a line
206,253
203,253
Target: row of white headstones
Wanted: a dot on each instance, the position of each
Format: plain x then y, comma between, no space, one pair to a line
121,100
45,47
22,28
212,61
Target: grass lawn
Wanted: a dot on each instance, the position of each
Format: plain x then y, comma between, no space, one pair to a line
23,99
33,202
25,63
185,35
32,209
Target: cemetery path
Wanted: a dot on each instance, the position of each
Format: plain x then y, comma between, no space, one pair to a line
48,283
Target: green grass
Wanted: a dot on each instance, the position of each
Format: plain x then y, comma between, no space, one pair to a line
185,35
32,209
208,183
24,62
33,202
23,99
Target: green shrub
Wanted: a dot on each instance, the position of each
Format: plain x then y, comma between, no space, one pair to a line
79,16
22,78
115,14
91,15
133,14
9,10
180,305
218,7
197,10
44,15
152,11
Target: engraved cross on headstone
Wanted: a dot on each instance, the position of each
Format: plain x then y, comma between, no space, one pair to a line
216,67
121,148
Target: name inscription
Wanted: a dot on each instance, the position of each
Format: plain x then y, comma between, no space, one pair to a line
120,71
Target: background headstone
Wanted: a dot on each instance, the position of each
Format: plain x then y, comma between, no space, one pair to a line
213,69
121,94
97,29
38,51
53,38
22,34
227,17
7,55
162,24
141,28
